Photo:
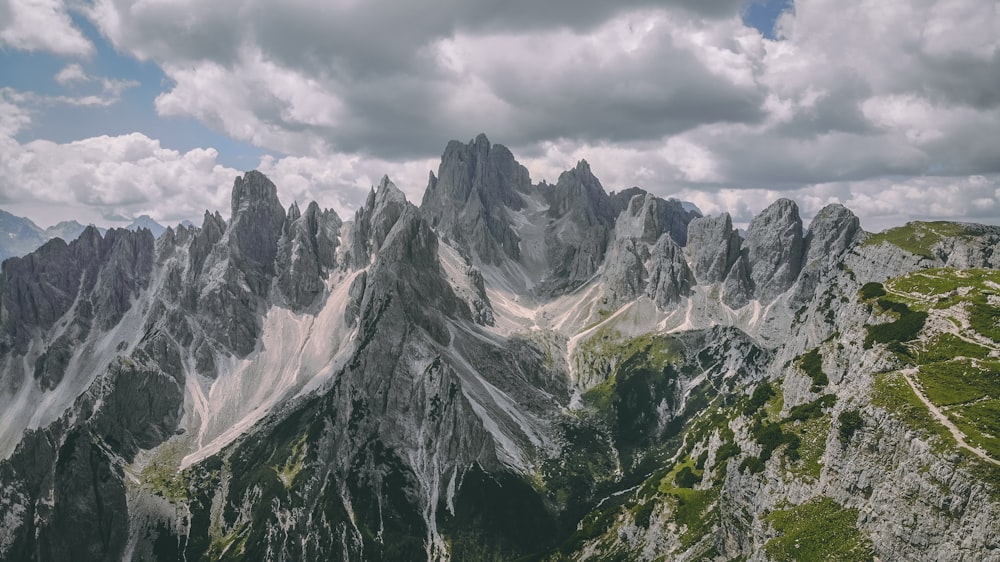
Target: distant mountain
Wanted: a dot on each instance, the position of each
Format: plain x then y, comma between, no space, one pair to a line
510,371
68,230
18,235
144,221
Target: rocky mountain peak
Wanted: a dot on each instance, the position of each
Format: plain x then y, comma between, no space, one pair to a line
832,230
647,216
255,227
713,246
253,188
775,249
373,222
579,190
293,212
468,201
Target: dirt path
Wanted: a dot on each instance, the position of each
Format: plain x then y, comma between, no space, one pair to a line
941,417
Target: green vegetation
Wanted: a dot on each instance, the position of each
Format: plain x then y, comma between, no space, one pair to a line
944,347
892,393
820,530
695,510
812,435
760,396
813,409
872,291
918,237
725,452
985,319
980,422
687,478
956,371
811,364
850,421
163,474
906,327
752,464
960,381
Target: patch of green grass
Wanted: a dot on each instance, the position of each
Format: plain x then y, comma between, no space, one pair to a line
725,452
694,509
811,364
980,422
760,396
163,474
752,464
818,530
963,380
903,329
813,409
892,393
775,404
918,237
985,319
872,290
812,444
946,346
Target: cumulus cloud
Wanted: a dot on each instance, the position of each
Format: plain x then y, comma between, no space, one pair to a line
41,25
886,106
399,81
112,179
70,74
851,91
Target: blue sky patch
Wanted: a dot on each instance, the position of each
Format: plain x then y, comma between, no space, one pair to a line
763,14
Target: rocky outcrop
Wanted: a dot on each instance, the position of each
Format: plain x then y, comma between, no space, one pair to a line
373,222
307,253
713,246
646,217
234,280
832,232
737,289
581,220
670,279
774,246
639,252
467,201
98,277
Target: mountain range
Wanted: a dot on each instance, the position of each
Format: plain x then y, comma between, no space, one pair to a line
509,371
20,236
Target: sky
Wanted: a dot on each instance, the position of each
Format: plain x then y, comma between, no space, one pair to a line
110,109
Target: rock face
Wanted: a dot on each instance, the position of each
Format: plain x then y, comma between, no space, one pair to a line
581,220
307,254
98,276
646,216
832,232
467,201
774,249
713,246
288,386
645,257
670,279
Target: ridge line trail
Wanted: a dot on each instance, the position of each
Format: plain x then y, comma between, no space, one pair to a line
957,331
943,419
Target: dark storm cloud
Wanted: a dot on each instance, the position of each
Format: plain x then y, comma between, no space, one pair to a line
961,79
667,95
381,60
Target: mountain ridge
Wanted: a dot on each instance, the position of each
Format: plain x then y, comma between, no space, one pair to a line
507,370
